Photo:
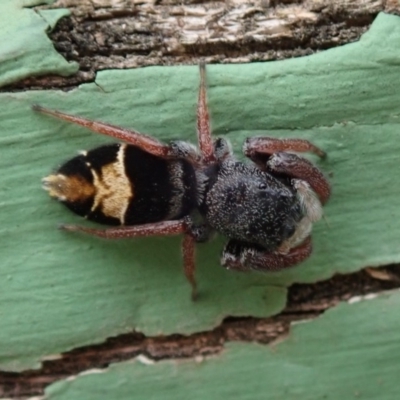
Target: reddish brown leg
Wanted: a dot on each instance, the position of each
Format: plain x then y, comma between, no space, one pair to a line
268,146
206,145
270,152
145,142
299,168
189,265
242,257
164,228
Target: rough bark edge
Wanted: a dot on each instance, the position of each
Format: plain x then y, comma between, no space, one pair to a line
119,34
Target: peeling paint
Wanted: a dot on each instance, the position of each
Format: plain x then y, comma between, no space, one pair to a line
347,344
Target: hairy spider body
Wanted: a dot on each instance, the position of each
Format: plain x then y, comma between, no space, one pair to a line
247,204
121,184
266,209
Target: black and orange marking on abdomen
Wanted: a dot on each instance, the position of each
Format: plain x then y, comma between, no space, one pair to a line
122,184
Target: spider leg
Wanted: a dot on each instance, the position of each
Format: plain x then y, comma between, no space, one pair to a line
270,153
194,233
145,142
189,265
265,145
244,257
301,170
205,141
164,228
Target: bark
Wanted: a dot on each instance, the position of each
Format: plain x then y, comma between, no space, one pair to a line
105,34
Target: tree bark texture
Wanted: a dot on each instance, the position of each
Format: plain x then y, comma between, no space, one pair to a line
108,34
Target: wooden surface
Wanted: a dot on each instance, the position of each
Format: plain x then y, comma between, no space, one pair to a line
25,48
60,291
107,34
351,352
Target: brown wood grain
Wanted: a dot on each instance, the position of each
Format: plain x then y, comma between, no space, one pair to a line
108,34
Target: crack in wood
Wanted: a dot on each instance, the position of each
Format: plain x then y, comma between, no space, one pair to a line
305,302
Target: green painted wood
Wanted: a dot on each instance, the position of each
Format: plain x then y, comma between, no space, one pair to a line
59,290
25,49
350,352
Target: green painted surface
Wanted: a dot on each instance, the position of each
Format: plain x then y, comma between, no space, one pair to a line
351,352
59,290
25,49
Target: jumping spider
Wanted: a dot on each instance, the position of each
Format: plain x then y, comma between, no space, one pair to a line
265,209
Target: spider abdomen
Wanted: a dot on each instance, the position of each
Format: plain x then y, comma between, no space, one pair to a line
121,184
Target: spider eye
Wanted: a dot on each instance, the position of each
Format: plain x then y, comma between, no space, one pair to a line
262,186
